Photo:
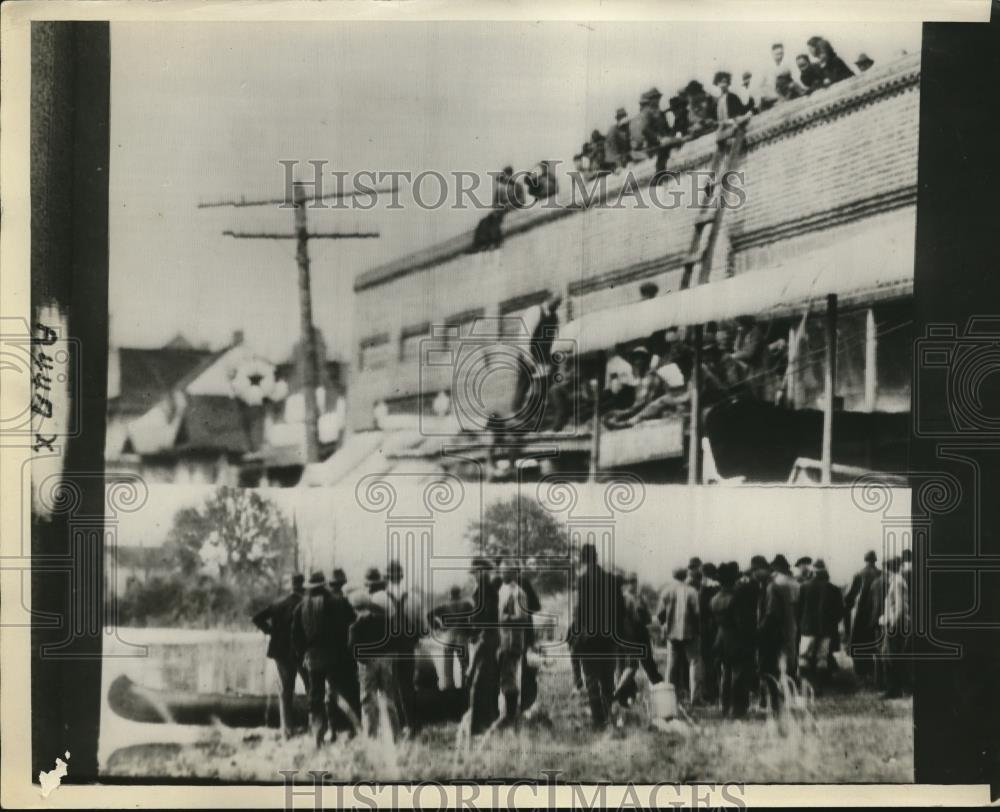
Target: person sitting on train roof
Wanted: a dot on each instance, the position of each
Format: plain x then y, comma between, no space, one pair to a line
678,117
727,109
832,68
810,76
787,87
748,97
653,128
541,181
701,113
648,387
618,144
769,93
617,396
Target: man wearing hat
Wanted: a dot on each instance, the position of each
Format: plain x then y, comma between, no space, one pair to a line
734,642
788,588
375,652
450,623
484,674
771,611
748,98
636,632
596,629
648,387
321,627
804,566
706,587
618,142
680,619
514,619
275,621
822,609
864,62
863,627
337,582
408,629
656,135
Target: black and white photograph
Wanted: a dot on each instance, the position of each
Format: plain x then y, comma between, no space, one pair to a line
452,402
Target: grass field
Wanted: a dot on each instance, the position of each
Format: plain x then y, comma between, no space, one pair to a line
850,736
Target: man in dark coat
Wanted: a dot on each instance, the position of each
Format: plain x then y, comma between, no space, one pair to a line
529,674
635,631
618,142
810,76
727,107
657,137
407,627
321,626
702,579
375,649
734,608
450,622
542,323
876,607
596,628
821,608
832,68
484,668
276,622
773,609
863,627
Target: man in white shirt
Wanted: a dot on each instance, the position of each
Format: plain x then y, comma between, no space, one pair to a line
768,84
748,98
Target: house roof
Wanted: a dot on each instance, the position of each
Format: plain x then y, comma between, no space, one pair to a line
147,375
212,423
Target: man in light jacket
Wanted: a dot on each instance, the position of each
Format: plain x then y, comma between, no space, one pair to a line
679,616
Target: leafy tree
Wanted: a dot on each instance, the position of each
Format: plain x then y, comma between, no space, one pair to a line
237,537
520,526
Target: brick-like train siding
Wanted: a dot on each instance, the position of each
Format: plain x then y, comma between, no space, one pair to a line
819,170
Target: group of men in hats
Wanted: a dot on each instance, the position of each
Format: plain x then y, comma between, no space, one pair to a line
729,630
732,630
693,111
348,649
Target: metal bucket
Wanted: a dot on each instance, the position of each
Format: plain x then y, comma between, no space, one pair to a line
664,701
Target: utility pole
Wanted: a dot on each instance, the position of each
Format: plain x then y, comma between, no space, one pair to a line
302,235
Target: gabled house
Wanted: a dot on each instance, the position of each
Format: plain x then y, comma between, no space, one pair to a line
225,417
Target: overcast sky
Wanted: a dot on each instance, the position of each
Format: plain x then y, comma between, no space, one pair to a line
202,111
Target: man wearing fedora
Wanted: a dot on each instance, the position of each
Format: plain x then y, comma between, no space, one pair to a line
276,622
821,610
863,627
320,631
484,672
597,630
375,650
618,143
406,632
657,137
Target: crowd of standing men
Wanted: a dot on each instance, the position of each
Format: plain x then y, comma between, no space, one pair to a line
730,632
